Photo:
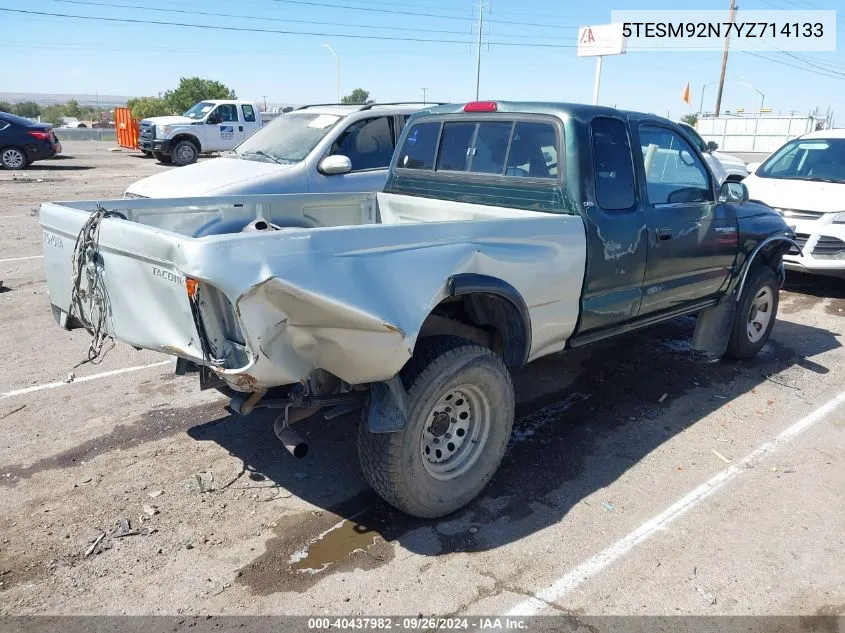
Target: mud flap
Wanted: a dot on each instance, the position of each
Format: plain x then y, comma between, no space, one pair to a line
387,410
713,328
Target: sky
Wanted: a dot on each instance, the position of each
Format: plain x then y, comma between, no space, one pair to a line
51,54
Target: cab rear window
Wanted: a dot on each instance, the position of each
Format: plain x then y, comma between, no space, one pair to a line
523,149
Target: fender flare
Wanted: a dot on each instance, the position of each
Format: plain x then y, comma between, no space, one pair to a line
746,267
186,136
474,283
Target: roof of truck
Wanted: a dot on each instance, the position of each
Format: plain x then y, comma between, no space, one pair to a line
559,109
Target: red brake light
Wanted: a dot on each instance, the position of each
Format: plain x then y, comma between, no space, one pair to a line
42,136
481,106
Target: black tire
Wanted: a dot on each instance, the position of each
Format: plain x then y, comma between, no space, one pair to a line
162,158
13,158
394,463
742,345
147,154
184,153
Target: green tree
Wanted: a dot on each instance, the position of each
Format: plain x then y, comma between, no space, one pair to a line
145,107
73,110
357,96
53,114
192,90
690,119
5,106
28,109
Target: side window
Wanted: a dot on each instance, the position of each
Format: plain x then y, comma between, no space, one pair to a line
674,174
533,151
419,146
249,113
367,143
491,146
228,112
454,146
612,164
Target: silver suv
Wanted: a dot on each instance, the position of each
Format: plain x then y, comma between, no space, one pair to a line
316,148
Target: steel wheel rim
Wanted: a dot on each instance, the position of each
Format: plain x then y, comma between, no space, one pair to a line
760,314
186,153
12,158
455,432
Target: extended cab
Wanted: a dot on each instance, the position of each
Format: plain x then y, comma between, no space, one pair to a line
505,232
209,126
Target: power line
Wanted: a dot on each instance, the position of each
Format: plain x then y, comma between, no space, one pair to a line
783,63
314,3
241,29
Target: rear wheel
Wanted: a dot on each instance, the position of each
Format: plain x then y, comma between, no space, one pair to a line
755,314
163,158
184,153
13,158
460,415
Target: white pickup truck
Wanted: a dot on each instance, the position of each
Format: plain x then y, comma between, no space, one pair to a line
505,232
209,126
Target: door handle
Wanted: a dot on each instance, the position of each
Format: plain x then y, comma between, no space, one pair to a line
664,233
240,128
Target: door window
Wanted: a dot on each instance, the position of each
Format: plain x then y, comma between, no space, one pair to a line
228,112
367,143
249,113
612,165
674,174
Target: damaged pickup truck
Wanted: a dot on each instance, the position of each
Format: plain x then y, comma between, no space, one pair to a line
505,232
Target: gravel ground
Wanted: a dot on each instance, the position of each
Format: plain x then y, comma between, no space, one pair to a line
583,514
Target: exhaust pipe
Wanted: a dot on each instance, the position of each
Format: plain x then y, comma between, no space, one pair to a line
291,440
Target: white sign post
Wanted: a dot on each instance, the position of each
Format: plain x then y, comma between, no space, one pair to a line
598,41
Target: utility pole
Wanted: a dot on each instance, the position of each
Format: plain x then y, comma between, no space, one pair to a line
478,61
725,58
424,90
265,102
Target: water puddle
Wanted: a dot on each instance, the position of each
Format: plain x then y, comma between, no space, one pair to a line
340,541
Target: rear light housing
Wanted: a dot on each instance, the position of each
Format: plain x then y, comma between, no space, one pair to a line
481,106
42,135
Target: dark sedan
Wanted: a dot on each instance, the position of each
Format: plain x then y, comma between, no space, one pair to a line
23,141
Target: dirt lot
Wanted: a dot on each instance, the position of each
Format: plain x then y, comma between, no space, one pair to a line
642,478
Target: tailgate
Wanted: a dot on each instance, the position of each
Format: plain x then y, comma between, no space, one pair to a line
146,303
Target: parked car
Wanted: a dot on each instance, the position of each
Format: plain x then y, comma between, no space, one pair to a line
318,148
804,181
209,126
23,142
505,232
726,167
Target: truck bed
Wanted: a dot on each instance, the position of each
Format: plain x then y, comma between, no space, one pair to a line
344,285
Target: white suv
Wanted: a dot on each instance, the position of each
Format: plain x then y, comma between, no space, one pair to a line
724,166
804,181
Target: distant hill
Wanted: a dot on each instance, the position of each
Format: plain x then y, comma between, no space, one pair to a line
52,99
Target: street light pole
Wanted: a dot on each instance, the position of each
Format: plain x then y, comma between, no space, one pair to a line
424,90
762,98
337,59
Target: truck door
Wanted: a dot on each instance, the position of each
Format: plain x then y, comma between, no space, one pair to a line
693,240
224,130
250,121
616,242
368,143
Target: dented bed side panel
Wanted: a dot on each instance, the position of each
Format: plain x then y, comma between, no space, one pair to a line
347,299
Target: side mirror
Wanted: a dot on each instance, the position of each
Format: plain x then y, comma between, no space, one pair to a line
733,192
712,146
334,165
752,167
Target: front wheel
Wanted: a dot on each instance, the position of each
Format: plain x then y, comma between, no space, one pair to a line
755,314
460,415
184,153
162,158
13,158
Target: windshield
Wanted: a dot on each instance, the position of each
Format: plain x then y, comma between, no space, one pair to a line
288,139
199,110
809,159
